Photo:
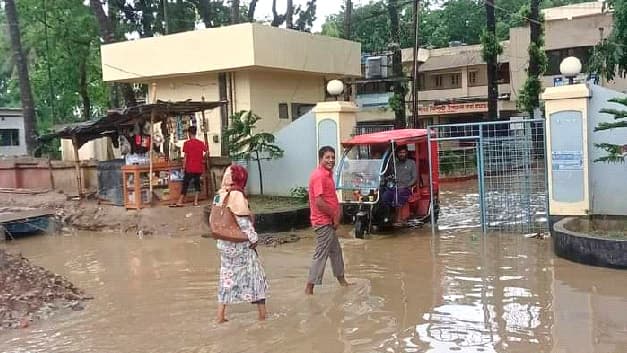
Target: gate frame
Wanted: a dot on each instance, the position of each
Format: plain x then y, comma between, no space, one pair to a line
432,137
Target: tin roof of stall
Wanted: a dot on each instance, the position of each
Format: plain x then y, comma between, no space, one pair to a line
108,125
400,136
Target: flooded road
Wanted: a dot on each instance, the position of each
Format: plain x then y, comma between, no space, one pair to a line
457,291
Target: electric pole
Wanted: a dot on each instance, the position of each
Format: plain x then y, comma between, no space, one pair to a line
414,81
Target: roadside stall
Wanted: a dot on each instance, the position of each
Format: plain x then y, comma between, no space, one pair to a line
148,136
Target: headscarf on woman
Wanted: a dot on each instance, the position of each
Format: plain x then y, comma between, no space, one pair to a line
234,185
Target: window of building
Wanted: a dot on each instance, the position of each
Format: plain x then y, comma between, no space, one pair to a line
438,81
283,112
503,73
373,87
300,109
421,81
555,58
9,137
456,80
472,78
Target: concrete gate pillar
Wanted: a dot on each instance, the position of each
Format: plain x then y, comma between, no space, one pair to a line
566,111
335,122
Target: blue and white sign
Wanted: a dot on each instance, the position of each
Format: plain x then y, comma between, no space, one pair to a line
567,160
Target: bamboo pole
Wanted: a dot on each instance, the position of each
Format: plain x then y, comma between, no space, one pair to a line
153,99
208,179
77,167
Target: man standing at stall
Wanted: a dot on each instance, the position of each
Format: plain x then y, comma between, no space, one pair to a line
194,163
325,219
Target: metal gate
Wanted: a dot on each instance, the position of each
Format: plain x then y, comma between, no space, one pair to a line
509,162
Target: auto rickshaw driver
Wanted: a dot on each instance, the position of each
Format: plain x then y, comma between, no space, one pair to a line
405,179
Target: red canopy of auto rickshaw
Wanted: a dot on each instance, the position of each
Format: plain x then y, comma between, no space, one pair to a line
400,136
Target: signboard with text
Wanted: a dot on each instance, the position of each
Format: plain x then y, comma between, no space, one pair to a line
567,160
453,108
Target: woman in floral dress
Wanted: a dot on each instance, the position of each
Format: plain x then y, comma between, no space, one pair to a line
242,278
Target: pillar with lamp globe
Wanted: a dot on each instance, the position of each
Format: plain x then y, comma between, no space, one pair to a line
570,67
335,88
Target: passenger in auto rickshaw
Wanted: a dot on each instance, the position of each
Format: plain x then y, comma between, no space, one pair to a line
405,179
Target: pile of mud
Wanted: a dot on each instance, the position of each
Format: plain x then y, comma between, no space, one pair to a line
29,293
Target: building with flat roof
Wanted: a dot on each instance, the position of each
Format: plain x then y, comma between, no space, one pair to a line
277,73
452,81
12,136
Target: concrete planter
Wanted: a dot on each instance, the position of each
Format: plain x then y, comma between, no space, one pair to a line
282,221
586,248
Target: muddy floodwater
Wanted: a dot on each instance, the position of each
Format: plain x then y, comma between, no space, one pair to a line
413,292
457,291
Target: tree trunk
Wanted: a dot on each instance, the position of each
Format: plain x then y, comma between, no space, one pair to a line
491,61
535,32
348,14
147,19
82,89
251,10
260,174
234,12
166,17
277,19
289,14
104,25
108,36
397,66
26,95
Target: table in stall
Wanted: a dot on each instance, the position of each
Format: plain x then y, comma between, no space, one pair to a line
167,183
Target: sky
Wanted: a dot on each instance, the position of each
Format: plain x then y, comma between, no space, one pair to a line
324,8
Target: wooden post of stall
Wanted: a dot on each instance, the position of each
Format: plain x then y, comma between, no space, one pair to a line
153,100
208,178
77,167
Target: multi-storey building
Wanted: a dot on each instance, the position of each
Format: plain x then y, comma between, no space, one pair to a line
452,81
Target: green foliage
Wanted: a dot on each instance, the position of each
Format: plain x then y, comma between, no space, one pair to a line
305,17
395,102
300,193
529,96
59,39
615,152
609,58
246,144
457,163
453,20
490,45
332,28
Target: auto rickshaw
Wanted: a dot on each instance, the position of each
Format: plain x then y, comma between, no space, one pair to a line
368,168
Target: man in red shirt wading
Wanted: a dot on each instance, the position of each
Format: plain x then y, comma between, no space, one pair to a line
325,218
194,162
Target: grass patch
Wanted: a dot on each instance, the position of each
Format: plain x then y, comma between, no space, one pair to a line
268,204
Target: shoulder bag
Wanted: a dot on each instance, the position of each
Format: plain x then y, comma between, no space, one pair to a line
223,224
